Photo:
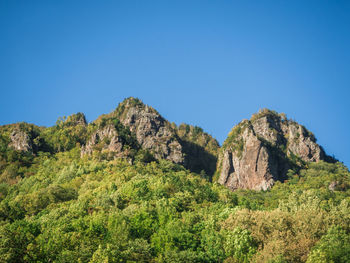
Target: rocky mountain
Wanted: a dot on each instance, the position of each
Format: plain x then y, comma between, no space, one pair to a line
132,187
152,131
107,138
257,153
186,144
21,137
132,130
261,150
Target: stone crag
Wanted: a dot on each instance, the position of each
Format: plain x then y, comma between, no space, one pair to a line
108,135
21,141
257,153
260,151
152,131
184,144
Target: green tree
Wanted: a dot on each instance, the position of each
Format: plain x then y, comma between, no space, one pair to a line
334,247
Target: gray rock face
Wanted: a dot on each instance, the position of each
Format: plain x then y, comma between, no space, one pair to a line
21,141
152,131
260,151
302,144
107,138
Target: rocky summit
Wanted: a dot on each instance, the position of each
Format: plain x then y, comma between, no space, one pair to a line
258,152
152,131
131,186
184,144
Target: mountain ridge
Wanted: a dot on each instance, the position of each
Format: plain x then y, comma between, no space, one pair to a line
95,192
134,126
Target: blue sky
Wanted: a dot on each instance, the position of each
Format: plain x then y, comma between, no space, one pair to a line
207,63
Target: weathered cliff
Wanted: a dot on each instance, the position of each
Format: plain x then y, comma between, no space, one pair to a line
185,144
152,131
104,139
22,137
260,151
133,120
21,141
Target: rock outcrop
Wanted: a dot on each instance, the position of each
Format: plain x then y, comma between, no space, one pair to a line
106,139
21,141
257,153
185,144
260,151
133,120
152,131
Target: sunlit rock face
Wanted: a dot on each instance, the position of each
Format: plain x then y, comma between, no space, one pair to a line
20,141
260,151
152,131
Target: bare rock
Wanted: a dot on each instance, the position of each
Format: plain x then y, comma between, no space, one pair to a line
106,139
20,141
260,151
302,143
152,131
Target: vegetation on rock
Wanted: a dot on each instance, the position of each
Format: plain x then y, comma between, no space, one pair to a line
260,151
124,205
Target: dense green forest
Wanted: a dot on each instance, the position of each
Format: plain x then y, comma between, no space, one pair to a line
57,205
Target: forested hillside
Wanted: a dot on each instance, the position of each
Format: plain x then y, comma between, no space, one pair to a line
132,187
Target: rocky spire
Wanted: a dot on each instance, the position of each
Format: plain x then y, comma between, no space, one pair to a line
260,151
152,131
20,141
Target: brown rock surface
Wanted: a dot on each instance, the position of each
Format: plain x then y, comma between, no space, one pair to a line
185,144
260,151
20,141
152,131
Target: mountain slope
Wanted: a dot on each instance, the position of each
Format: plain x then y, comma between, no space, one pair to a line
200,149
106,192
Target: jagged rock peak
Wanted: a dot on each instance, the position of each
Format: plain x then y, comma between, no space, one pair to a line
260,151
20,141
107,137
22,136
185,144
152,131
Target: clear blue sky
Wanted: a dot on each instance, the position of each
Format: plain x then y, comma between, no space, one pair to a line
207,63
